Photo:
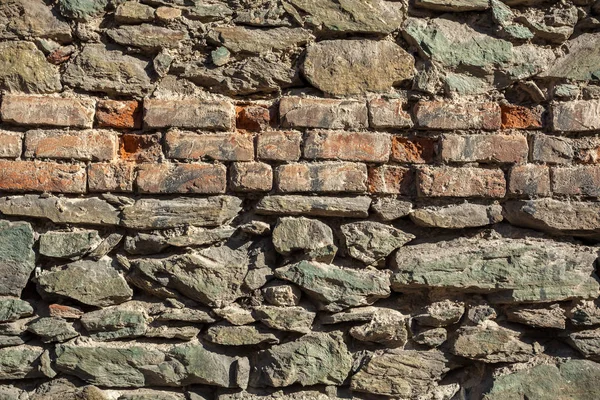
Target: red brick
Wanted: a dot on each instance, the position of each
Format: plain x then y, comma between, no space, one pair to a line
349,146
494,148
446,115
11,144
189,113
140,148
94,145
529,180
391,179
461,182
519,117
38,176
60,55
576,181
66,312
389,114
322,177
415,150
576,116
552,149
297,112
279,146
50,111
253,118
213,146
181,178
251,177
119,114
107,177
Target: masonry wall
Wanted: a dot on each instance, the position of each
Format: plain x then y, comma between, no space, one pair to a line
299,199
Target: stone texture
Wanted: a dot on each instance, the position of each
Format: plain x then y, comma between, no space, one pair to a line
389,208
289,319
539,270
580,61
341,67
453,5
25,69
441,313
68,244
241,39
147,37
574,116
371,242
32,19
308,236
17,259
131,12
240,335
343,207
335,288
82,9
546,317
18,362
51,111
465,215
388,327
322,177
52,329
11,309
297,112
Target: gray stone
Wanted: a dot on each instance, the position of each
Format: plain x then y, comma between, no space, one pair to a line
101,69
11,309
335,288
18,362
281,294
31,18
165,331
453,5
145,244
245,335
401,373
61,210
195,315
207,12
390,208
51,329
95,283
491,343
240,39
308,236
581,60
352,67
315,358
348,207
23,68
82,9
441,313
220,56
17,259
277,395
149,394
194,236
114,323
71,245
512,270
388,327
572,379
585,313
106,246
353,16
171,213
291,319
431,337
587,342
547,317
358,314
479,313
236,315
131,12
147,37
371,242
571,218
465,215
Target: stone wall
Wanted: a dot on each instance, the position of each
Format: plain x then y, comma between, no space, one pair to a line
299,199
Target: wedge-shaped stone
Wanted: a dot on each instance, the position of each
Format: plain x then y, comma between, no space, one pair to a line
257,41
587,342
23,68
292,319
309,236
17,259
458,216
68,244
95,283
453,5
321,206
388,327
581,60
51,329
231,335
571,218
171,213
12,308
512,270
335,288
18,362
114,323
315,358
401,373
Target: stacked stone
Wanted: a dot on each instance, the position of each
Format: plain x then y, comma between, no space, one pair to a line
294,199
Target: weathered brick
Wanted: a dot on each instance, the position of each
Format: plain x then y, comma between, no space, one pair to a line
279,146
461,182
140,148
529,180
348,146
322,177
189,113
494,148
181,178
38,176
94,145
11,144
297,112
552,149
107,177
391,179
587,150
446,115
416,150
251,177
119,114
582,180
253,118
214,146
576,116
50,111
390,113
519,117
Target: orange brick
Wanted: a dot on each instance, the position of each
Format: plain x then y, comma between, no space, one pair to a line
519,117
416,150
140,148
348,146
213,146
94,145
119,114
391,179
253,118
38,176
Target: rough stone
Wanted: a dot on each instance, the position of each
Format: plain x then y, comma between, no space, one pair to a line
576,116
580,61
546,317
441,313
231,335
52,329
147,37
390,208
32,18
371,242
586,342
453,5
82,9
131,12
279,293
18,362
114,323
388,327
459,216
11,309
309,236
291,319
342,207
68,244
431,337
23,68
17,259
335,288
240,39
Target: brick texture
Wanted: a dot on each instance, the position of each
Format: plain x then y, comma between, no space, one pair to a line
212,146
38,176
391,179
49,111
461,182
529,180
465,115
296,112
89,145
181,178
11,144
577,181
119,114
279,146
251,177
107,177
189,113
495,148
322,177
349,146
